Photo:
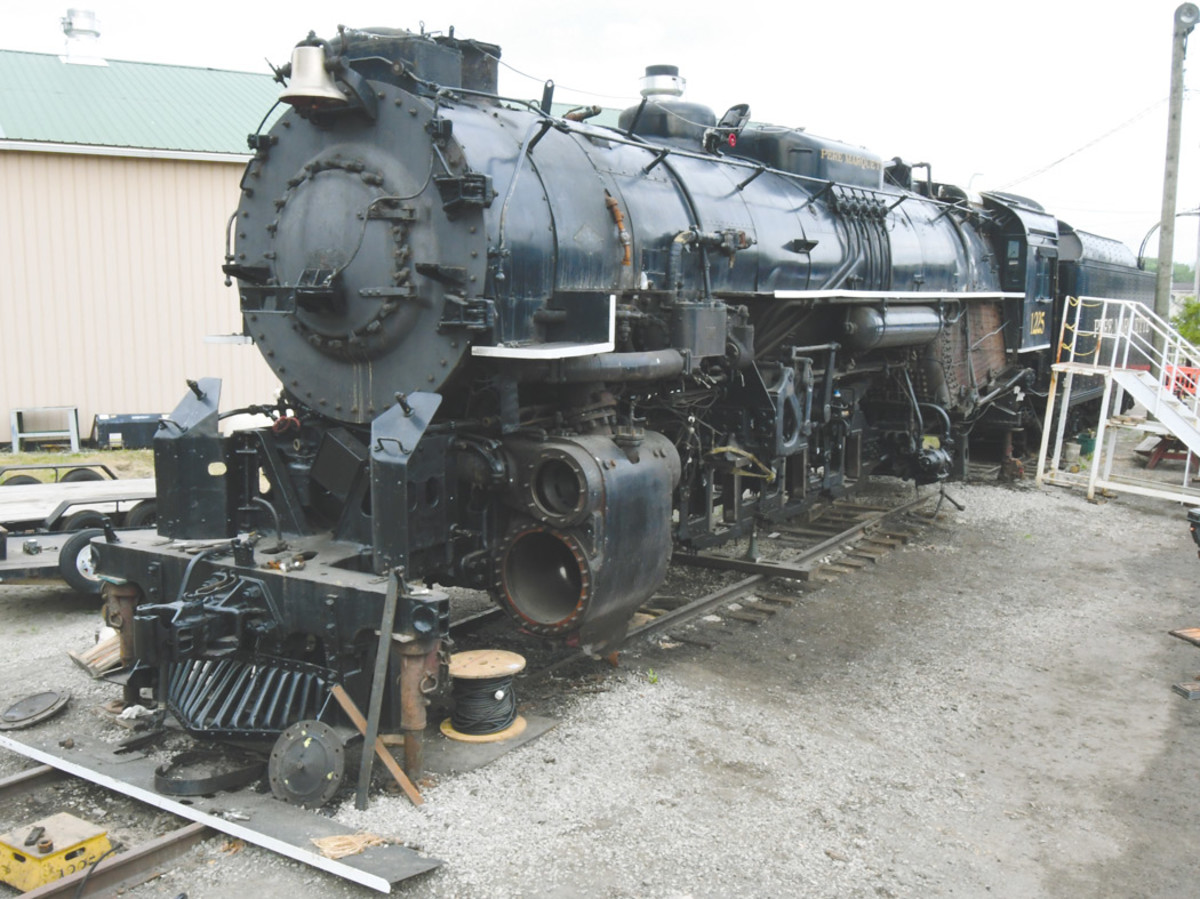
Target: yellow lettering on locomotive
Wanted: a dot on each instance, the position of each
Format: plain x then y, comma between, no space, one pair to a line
1037,322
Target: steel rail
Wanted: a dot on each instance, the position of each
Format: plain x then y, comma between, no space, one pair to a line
793,568
760,571
126,869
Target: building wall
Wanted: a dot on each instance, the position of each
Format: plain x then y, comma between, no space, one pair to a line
110,280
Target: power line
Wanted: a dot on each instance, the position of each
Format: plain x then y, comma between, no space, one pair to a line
1107,134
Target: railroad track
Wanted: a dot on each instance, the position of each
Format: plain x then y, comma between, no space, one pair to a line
837,539
120,870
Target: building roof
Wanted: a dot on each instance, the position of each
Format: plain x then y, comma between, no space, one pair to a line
140,105
143,108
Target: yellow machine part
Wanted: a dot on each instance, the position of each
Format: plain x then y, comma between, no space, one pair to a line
66,844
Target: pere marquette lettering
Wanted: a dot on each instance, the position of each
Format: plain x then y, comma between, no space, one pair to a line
863,162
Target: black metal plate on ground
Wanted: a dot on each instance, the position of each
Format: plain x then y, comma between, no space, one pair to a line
446,756
32,709
274,825
307,764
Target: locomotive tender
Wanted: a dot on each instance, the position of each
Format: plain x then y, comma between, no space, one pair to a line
528,354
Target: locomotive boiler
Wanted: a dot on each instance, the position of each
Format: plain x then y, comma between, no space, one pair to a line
532,355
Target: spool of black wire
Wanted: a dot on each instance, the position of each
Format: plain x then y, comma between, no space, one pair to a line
485,706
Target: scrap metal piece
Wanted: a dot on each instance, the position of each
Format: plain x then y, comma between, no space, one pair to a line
307,763
202,772
33,709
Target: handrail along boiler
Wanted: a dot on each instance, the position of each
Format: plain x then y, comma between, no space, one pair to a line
529,354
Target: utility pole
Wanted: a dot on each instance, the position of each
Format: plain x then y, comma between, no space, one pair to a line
1186,17
1196,270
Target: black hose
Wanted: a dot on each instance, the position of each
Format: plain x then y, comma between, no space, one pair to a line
87,876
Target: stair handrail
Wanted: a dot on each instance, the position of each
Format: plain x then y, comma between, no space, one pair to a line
1126,334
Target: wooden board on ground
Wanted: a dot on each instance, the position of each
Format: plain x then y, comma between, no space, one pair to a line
1187,689
758,606
748,617
1188,634
778,598
100,659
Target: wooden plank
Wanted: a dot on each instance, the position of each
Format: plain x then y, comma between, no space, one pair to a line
757,606
777,598
848,564
356,717
1188,634
100,658
748,617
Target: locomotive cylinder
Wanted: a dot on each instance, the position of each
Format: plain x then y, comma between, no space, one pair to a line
598,537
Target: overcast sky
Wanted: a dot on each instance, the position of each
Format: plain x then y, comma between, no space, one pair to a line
986,93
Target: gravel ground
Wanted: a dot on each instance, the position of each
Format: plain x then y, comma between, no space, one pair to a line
988,710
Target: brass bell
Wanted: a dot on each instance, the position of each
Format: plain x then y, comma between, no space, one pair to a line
311,85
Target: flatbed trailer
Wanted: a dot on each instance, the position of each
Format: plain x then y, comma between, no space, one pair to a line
74,505
46,529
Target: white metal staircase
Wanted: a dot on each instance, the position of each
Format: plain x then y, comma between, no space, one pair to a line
1134,354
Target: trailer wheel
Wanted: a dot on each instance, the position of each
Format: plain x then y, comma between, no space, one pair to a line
85,518
19,480
75,562
143,515
81,474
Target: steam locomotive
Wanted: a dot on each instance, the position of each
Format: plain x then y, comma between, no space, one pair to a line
532,355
